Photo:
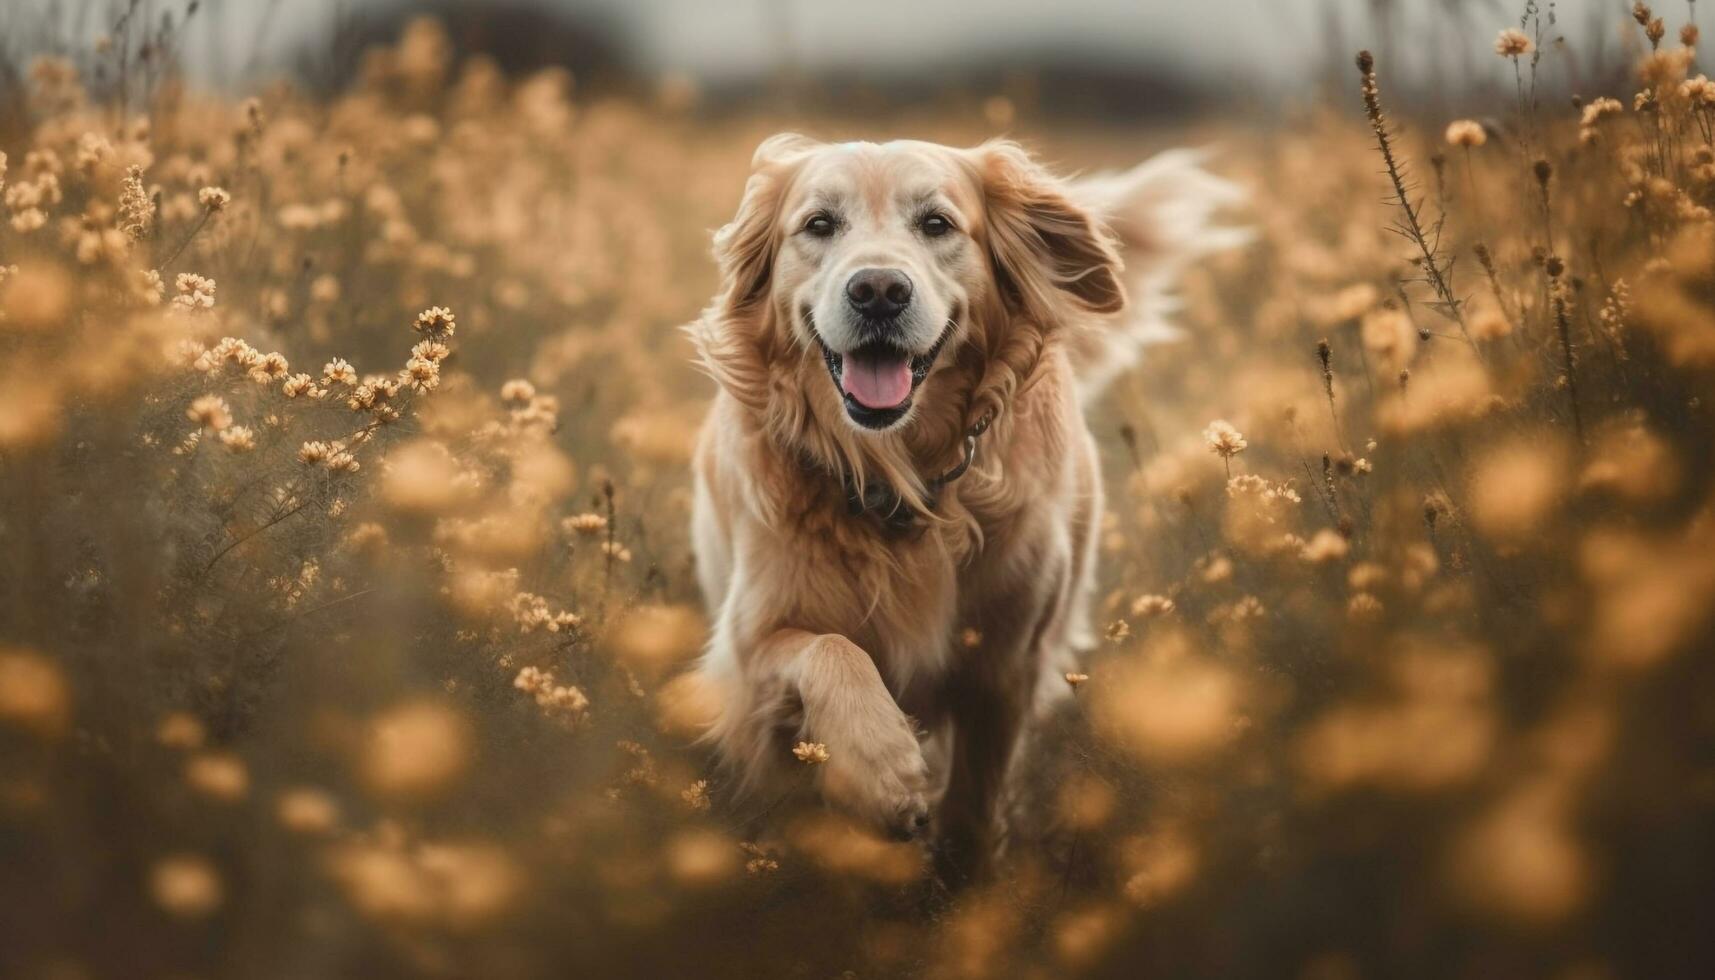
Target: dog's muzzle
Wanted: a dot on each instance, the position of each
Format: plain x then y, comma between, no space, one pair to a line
878,378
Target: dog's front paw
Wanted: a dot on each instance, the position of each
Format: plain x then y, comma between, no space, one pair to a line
877,773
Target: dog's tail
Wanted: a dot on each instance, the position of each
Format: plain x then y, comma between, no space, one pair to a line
1162,215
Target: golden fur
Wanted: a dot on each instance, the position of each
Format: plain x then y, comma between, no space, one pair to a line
828,627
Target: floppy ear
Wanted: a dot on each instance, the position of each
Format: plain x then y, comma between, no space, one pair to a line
1046,249
745,247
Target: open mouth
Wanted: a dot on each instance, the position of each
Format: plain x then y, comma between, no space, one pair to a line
877,380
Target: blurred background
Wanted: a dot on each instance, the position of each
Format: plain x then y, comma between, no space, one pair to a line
345,425
1078,59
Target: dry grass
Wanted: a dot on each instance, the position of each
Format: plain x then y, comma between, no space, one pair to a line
311,667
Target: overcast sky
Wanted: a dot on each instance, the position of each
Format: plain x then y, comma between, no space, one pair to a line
1276,41
1259,38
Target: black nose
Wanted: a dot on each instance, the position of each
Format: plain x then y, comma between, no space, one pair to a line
878,294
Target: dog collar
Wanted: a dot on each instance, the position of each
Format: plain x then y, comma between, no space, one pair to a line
881,500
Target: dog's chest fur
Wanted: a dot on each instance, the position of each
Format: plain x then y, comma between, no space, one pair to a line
926,603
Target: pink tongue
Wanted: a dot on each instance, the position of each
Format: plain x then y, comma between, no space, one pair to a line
877,381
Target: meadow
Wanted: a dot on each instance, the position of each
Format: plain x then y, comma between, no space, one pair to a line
344,576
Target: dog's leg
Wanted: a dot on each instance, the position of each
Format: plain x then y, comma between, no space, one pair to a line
990,697
833,691
987,720
989,700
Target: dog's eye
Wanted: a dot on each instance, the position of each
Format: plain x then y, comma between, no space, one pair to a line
821,225
935,225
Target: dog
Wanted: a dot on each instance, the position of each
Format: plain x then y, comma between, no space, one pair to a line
897,496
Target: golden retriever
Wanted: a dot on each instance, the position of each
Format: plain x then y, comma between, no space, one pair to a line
897,496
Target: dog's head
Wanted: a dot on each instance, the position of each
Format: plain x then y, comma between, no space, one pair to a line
881,261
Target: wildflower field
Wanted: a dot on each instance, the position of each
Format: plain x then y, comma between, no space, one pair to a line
344,574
